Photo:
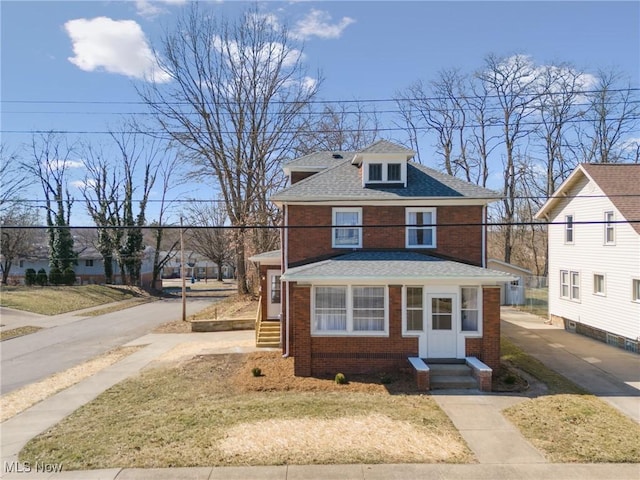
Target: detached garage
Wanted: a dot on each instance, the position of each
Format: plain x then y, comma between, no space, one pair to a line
511,293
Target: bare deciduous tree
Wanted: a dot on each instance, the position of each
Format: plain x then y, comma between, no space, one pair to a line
234,105
214,241
17,242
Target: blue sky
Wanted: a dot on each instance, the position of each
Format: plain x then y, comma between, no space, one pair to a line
54,51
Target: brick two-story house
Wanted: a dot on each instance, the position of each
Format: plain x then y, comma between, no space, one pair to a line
382,259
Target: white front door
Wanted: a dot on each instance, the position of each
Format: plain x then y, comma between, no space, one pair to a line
273,293
442,325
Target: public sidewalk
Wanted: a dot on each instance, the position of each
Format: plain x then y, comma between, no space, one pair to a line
500,449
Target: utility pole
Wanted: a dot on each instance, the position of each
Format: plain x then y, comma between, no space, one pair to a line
184,287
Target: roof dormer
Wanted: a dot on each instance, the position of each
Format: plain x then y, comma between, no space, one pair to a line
383,164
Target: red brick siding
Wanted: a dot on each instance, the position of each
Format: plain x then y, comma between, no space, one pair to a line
319,356
487,348
463,243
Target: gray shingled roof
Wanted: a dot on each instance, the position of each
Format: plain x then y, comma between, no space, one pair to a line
319,159
384,146
343,182
391,266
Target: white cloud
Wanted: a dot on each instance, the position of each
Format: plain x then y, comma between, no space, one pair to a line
115,46
317,24
150,9
59,164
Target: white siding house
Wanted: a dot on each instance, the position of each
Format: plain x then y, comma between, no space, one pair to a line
594,253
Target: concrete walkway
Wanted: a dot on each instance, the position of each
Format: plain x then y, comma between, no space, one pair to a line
500,449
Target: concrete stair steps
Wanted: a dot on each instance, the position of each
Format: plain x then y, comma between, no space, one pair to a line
451,376
437,370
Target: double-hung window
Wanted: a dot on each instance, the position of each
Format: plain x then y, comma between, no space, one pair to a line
375,172
564,283
394,172
635,289
347,232
568,229
414,310
609,229
570,285
357,310
421,229
469,309
598,284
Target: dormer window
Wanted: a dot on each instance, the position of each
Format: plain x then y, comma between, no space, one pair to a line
388,173
394,172
375,172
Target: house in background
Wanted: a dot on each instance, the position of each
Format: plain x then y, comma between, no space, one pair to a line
89,268
196,266
511,293
382,268
594,253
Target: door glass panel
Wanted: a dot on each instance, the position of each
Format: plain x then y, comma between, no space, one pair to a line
275,289
441,313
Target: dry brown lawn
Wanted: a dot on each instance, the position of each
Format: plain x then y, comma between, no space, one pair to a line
211,410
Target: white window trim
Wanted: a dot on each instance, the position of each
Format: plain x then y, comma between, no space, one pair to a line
434,229
568,284
337,210
634,300
572,285
604,285
478,332
573,229
385,172
350,332
608,226
405,331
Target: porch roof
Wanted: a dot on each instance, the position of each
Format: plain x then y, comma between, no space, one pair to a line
389,267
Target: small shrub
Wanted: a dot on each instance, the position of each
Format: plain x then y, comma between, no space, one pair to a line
41,277
68,276
341,379
55,276
386,379
510,379
256,372
30,277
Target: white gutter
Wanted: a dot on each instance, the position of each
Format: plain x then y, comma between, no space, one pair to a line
285,256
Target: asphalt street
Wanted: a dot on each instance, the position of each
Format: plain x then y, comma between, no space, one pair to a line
73,339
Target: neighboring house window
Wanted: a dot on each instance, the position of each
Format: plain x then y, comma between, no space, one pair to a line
375,172
568,229
394,172
421,230
635,284
414,309
88,263
275,289
609,229
349,310
21,263
564,283
598,284
345,232
575,285
330,309
469,309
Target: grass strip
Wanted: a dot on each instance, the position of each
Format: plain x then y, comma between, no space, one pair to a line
17,332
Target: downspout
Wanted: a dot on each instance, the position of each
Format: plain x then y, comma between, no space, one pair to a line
285,257
484,236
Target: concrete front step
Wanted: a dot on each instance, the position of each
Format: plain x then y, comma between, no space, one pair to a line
437,370
451,376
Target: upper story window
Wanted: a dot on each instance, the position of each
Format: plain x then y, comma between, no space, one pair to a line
568,229
609,228
375,172
384,172
88,263
421,229
346,232
394,172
